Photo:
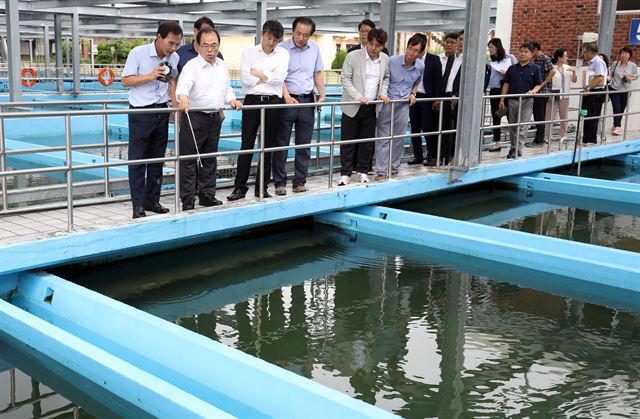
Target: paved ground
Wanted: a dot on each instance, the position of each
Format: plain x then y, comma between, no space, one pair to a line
30,225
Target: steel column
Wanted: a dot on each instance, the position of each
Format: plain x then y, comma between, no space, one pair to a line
472,83
47,51
13,27
57,28
388,22
261,17
75,36
607,24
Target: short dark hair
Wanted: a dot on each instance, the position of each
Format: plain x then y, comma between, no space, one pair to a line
527,45
418,38
500,52
451,35
591,48
305,21
366,22
557,54
536,45
626,49
203,20
167,27
379,35
204,31
274,28
460,33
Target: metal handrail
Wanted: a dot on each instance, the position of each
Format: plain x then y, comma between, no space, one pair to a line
70,167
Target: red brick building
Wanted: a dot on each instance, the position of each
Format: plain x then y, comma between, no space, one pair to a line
558,23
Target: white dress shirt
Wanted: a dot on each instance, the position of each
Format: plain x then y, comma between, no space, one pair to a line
372,81
457,62
206,85
273,65
443,60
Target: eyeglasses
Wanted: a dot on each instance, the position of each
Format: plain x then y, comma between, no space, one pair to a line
209,47
173,44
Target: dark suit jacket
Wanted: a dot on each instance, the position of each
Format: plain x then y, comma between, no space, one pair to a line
357,47
456,80
432,76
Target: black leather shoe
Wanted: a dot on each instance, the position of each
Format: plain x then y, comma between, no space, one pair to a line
430,162
415,161
138,212
209,200
188,203
157,208
265,194
238,193
512,153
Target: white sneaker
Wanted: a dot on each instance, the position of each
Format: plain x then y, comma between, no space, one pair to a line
363,178
344,180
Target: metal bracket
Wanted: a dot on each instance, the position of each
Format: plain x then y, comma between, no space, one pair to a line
456,172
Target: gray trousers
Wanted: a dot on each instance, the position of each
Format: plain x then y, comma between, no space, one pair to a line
524,117
383,129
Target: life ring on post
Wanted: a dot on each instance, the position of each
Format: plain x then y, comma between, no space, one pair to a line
108,81
28,81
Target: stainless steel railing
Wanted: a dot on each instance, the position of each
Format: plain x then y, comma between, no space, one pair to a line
69,167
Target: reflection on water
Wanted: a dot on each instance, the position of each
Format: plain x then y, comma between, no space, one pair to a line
414,331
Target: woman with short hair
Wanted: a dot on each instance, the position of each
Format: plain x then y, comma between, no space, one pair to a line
621,74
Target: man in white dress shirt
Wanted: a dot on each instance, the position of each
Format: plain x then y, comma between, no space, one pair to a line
263,69
203,83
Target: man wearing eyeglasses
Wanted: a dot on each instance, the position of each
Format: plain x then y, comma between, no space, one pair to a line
304,71
204,83
147,73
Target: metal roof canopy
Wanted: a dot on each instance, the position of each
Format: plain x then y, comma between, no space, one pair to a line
138,18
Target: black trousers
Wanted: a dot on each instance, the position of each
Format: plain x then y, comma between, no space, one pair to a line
495,105
423,118
593,105
449,122
148,134
362,125
540,115
303,118
193,177
619,103
250,126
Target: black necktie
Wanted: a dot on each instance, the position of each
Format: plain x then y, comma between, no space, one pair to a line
447,72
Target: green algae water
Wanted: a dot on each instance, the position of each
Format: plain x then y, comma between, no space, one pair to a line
416,332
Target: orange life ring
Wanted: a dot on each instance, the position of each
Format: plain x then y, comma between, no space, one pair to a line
28,82
102,72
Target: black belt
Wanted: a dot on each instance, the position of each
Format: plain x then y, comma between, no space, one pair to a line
301,96
264,98
210,113
448,94
153,105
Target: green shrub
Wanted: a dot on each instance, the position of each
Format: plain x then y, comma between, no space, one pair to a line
338,62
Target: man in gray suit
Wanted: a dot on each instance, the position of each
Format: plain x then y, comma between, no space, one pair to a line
365,77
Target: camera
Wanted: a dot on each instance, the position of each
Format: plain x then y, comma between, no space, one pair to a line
166,67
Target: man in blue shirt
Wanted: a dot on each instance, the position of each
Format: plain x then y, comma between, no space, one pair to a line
595,82
523,78
147,73
305,70
405,77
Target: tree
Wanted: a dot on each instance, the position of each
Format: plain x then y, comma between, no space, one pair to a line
338,62
105,53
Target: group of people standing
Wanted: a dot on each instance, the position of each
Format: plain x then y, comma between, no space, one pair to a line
290,72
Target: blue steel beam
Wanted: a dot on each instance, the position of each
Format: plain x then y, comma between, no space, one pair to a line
603,190
209,371
585,262
125,380
173,231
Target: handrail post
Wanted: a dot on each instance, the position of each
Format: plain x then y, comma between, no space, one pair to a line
318,136
553,116
517,142
331,147
3,165
69,172
438,152
483,122
105,142
579,140
262,156
603,118
390,141
626,118
176,152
